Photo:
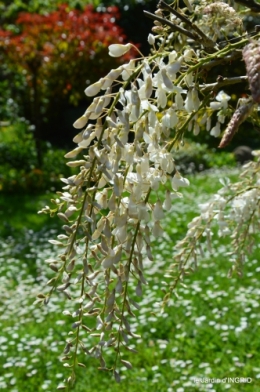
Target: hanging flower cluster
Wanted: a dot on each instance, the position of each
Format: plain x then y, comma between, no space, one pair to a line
124,153
218,19
235,212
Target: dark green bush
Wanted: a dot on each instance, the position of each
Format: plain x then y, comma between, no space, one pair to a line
19,171
194,157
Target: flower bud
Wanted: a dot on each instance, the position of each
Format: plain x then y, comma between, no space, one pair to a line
151,39
117,50
94,89
158,213
178,181
80,122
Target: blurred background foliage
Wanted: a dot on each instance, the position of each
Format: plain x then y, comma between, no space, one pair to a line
19,170
49,53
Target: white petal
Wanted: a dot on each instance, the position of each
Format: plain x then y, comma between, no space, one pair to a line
178,181
151,39
117,50
215,131
94,89
80,122
158,213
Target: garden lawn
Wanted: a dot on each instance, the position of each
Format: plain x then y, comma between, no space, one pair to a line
211,330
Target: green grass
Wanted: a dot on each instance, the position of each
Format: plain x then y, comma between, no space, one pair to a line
20,212
211,330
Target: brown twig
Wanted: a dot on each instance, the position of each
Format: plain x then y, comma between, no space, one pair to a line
223,82
219,61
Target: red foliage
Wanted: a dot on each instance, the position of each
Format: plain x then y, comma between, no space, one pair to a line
63,50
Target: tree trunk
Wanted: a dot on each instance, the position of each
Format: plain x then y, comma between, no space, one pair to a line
36,117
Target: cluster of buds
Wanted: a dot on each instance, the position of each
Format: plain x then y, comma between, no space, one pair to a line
218,19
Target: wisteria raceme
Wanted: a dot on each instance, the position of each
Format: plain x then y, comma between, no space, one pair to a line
251,56
218,19
112,208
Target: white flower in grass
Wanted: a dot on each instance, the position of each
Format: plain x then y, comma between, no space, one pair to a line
117,50
178,181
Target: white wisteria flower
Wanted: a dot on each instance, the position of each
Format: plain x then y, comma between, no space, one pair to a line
151,39
117,50
179,181
215,131
222,101
94,88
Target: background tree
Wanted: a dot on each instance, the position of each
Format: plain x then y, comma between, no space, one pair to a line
56,55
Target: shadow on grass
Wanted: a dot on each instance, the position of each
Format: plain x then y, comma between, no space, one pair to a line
20,212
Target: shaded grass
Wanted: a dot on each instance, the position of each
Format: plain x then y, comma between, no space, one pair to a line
19,212
211,330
